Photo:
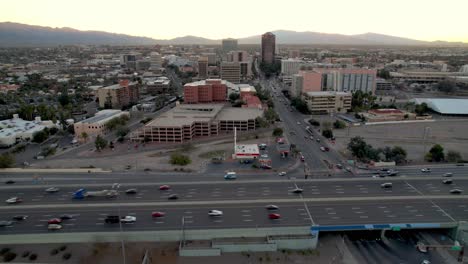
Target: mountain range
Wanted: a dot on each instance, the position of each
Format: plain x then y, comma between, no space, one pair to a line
16,34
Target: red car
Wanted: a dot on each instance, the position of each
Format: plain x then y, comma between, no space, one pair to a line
274,216
158,214
164,187
55,221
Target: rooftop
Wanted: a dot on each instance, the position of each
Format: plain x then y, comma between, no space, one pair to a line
101,116
446,106
327,93
247,149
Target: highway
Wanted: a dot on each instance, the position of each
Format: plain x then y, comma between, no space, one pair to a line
244,215
238,190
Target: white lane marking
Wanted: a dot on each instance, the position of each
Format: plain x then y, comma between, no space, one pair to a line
188,222
303,214
69,224
265,194
340,192
391,216
312,193
61,199
35,200
159,222
331,213
138,197
188,216
382,207
359,212
355,208
99,223
245,211
247,220
419,215
336,217
132,213
462,205
192,189
187,212
39,225
103,214
246,215
188,196
217,221
363,216
300,209
408,206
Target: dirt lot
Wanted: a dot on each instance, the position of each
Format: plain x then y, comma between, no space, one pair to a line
150,156
451,134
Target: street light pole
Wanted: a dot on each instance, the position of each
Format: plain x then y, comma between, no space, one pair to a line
117,186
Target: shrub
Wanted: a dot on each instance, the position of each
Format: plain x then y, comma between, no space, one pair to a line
3,251
66,256
40,136
180,159
314,122
33,257
6,161
278,132
9,256
54,252
338,124
25,254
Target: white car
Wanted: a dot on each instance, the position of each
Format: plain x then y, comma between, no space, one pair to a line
128,219
283,173
215,213
14,200
298,122
426,170
264,156
54,227
52,190
448,174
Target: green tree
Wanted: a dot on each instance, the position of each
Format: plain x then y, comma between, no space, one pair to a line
6,160
314,122
383,73
270,115
421,109
278,132
40,136
453,156
398,154
327,133
100,143
85,136
233,97
363,151
436,153
338,124
122,131
179,159
262,122
64,99
300,105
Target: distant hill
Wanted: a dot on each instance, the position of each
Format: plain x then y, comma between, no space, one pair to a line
15,34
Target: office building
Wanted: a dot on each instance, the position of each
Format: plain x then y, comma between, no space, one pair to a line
187,122
327,102
212,59
160,85
230,71
290,67
119,95
268,48
205,91
96,125
16,129
237,56
125,58
382,84
229,44
203,67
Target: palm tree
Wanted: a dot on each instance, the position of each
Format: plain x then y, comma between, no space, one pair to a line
84,135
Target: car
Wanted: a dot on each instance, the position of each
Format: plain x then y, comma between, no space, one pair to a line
447,181
392,173
425,262
6,223
386,185
164,187
327,149
274,216
13,200
266,167
339,166
158,214
52,190
302,158
19,217
66,216
215,213
298,122
10,182
173,197
54,227
421,247
230,176
384,169
318,140
245,161
292,133
54,221
306,137
271,207
322,149
348,169
128,219
265,156
448,174
311,138
283,173
456,191
131,191
426,170
262,146
112,219
297,190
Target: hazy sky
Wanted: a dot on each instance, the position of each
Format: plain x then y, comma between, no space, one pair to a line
417,19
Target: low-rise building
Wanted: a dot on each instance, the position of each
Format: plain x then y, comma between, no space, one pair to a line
327,102
16,129
159,85
186,122
96,125
205,91
119,95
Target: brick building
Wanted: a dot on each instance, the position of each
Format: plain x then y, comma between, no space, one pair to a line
205,91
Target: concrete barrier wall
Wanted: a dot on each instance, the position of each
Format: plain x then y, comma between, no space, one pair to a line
253,247
296,243
200,252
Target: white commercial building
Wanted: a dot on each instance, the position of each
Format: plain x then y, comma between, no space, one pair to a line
16,129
